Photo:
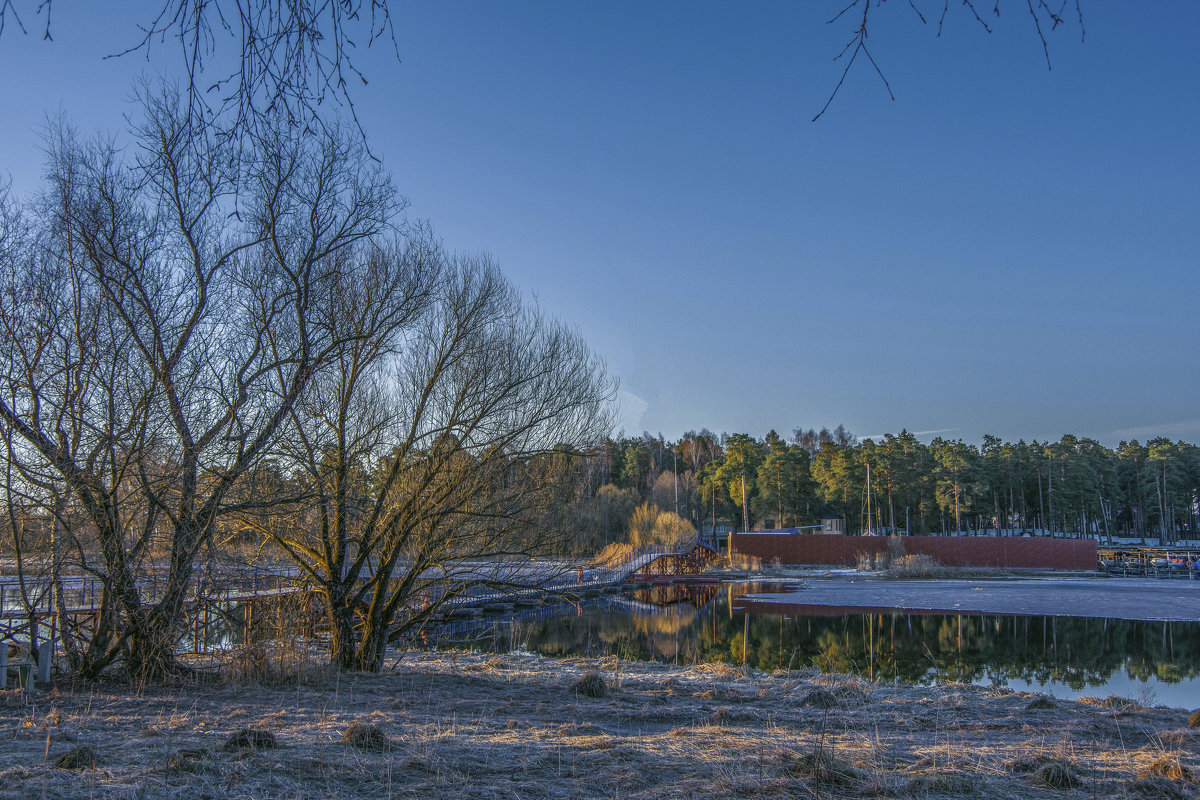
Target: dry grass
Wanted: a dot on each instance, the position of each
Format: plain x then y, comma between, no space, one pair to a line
740,562
1114,703
824,769
1169,766
918,567
1194,719
250,739
820,698
81,757
590,685
366,736
1058,775
460,726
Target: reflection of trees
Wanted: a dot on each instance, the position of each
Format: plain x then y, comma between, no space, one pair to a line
688,628
694,624
1077,652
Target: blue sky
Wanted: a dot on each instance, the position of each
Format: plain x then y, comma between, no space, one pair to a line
1003,249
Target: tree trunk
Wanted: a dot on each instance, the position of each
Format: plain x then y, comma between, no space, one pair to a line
342,647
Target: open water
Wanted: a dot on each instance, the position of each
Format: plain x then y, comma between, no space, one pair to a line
1064,656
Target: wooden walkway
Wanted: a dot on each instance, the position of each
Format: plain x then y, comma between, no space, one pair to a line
222,605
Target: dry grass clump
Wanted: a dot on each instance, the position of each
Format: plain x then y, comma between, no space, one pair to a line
190,759
366,737
1058,774
81,757
1053,771
823,768
1041,702
867,561
915,567
1113,703
946,783
742,561
1194,719
590,685
250,739
717,670
1029,763
1167,766
820,698
851,694
1121,703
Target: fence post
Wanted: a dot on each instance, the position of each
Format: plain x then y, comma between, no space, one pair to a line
3,665
45,656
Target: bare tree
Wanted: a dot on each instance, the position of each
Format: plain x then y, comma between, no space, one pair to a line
436,445
863,13
157,328
260,58
253,60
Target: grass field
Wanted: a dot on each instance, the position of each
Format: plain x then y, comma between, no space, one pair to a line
443,725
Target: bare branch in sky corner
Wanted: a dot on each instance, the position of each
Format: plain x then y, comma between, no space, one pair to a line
290,59
1043,17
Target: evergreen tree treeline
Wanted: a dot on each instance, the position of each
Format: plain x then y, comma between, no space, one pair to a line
1074,486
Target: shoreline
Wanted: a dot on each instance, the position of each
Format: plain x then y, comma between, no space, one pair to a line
473,725
1137,599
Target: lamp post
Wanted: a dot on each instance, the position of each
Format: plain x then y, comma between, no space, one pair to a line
676,455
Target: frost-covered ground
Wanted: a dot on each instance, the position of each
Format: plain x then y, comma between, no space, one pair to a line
443,725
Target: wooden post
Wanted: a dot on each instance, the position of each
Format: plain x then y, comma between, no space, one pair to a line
3,665
45,656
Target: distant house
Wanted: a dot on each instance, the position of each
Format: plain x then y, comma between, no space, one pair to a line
831,521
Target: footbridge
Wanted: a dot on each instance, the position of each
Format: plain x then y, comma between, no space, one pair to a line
685,556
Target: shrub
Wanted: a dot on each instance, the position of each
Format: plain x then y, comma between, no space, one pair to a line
650,525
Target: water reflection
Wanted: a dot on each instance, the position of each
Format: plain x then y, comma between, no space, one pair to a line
694,623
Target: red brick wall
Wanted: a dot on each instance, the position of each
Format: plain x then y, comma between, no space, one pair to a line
954,551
